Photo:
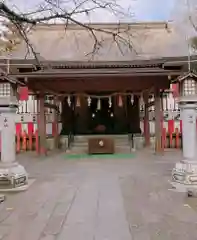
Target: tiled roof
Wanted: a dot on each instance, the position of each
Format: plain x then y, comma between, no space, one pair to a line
150,40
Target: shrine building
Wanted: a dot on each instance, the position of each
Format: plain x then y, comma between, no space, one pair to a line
100,91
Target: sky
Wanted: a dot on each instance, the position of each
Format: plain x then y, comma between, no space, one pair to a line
153,10
144,10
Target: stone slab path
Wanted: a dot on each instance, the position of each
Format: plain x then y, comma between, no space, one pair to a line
68,200
99,199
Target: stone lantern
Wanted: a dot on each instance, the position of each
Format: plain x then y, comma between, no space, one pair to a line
184,175
13,176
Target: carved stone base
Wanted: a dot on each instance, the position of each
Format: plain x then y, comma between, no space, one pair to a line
13,177
184,176
2,198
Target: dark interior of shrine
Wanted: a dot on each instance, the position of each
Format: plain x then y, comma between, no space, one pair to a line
101,116
101,119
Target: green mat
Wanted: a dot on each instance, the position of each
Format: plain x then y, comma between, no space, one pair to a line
100,156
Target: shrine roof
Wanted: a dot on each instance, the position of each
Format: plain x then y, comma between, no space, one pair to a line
4,77
53,43
162,66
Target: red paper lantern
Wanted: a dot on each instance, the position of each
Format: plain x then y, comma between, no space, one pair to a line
23,93
175,90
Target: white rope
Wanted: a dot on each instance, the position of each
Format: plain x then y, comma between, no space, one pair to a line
102,96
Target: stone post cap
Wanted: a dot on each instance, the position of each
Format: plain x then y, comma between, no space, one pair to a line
8,101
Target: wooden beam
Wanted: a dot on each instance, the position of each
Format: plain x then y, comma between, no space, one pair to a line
100,72
99,84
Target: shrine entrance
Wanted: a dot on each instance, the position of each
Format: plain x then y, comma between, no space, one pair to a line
113,115
101,117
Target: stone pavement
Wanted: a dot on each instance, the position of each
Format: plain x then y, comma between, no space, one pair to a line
100,199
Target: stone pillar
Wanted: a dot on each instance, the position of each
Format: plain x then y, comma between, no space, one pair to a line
184,175
146,120
12,175
42,125
158,129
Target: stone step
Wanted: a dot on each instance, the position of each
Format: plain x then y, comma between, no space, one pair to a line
84,151
115,140
86,145
75,147
116,137
80,144
82,139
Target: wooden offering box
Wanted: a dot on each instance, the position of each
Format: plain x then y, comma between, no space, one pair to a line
101,145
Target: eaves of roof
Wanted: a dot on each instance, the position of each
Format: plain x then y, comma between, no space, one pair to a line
69,73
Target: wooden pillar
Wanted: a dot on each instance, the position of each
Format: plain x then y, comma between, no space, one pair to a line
81,114
55,124
134,116
146,120
158,129
119,115
41,125
137,109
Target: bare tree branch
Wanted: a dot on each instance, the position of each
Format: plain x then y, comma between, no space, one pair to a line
5,11
192,23
68,12
192,11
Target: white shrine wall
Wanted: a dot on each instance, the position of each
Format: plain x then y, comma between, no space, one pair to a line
27,111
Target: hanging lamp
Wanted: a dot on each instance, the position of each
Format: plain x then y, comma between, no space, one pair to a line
120,102
69,101
99,104
78,104
132,99
89,100
110,102
141,102
141,99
